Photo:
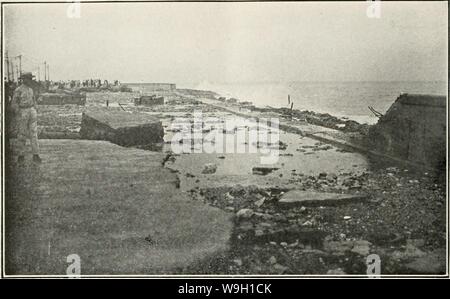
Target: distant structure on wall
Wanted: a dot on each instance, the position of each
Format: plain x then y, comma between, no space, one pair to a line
149,87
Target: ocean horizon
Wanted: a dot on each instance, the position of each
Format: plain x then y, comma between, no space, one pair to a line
344,99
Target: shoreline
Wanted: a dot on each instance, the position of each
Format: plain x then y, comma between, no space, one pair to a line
324,119
268,238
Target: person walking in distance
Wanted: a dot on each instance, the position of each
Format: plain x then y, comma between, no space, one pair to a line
24,106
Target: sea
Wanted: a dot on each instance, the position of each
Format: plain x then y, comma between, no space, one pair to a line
342,99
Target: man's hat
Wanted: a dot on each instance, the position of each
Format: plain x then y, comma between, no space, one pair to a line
28,75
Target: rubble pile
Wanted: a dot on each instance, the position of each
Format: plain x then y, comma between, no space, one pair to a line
65,98
400,219
321,119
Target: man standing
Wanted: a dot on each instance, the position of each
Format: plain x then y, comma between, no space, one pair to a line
24,106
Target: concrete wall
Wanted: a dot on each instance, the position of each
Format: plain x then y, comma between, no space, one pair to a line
61,99
148,87
413,129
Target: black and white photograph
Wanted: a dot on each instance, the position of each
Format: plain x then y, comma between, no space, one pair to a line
219,139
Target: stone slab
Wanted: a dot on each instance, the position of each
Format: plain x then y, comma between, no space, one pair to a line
313,198
432,263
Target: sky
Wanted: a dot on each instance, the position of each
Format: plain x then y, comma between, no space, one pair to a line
231,42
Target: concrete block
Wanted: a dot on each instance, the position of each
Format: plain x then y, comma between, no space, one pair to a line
121,127
312,198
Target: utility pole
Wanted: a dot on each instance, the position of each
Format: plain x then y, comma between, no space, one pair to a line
20,63
12,70
7,65
45,70
17,73
48,72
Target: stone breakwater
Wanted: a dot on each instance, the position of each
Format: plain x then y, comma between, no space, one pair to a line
321,119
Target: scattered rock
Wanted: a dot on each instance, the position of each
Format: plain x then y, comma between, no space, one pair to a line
150,240
209,168
230,209
338,247
259,233
410,251
307,223
272,260
384,238
263,215
322,175
361,247
246,226
416,242
337,271
229,196
432,263
238,262
280,268
260,202
263,170
245,213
